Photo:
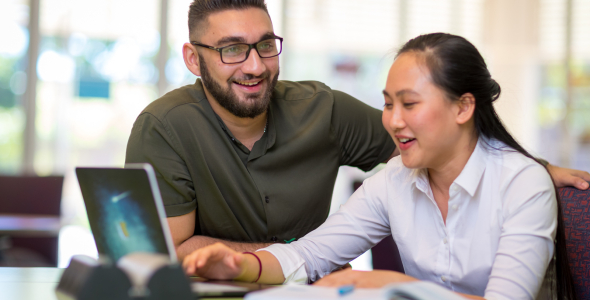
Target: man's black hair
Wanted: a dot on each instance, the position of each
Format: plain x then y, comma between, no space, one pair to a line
200,10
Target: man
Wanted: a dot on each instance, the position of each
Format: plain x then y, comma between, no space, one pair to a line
241,157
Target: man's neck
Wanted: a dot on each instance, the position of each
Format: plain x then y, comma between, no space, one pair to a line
247,130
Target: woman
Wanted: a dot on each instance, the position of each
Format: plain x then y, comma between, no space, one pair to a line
469,208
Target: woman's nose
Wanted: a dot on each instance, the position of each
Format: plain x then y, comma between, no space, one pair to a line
396,121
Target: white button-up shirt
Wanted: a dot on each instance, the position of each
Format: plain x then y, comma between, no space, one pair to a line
497,241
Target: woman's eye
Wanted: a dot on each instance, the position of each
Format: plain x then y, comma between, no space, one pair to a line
409,104
388,105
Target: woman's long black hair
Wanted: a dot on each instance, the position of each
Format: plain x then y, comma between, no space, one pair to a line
457,68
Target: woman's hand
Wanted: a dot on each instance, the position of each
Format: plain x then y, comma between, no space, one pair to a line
216,261
363,279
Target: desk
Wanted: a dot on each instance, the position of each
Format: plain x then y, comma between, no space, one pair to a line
34,284
19,225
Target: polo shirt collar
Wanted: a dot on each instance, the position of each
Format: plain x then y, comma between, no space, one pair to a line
269,137
270,128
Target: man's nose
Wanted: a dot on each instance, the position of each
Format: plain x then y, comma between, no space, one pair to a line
254,64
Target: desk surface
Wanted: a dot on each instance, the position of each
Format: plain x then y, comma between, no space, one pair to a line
29,225
34,283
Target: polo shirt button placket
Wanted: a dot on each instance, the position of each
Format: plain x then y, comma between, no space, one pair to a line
266,199
273,239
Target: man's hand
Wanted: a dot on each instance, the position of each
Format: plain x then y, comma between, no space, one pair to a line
215,262
199,241
569,177
182,229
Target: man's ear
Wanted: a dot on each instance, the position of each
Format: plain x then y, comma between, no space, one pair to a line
191,58
466,104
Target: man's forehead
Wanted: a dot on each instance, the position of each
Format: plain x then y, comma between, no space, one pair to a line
244,25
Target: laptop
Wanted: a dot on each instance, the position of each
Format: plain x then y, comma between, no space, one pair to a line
126,215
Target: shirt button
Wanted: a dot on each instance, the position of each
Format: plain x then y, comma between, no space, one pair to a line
445,240
443,278
273,239
266,199
455,206
455,188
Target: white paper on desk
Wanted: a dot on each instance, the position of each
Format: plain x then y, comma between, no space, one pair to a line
310,292
418,290
205,287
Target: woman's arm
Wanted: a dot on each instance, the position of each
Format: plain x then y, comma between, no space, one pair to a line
218,261
527,240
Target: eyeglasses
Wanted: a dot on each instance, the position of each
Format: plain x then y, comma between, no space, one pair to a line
237,53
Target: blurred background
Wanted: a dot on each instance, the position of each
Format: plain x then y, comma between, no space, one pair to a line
74,74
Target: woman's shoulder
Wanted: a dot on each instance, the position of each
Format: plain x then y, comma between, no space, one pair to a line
517,171
509,159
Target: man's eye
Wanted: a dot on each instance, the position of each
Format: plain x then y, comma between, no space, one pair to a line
265,46
233,49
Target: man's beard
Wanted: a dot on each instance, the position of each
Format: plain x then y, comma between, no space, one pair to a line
227,98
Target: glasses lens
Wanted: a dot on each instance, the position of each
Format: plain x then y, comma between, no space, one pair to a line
269,48
234,53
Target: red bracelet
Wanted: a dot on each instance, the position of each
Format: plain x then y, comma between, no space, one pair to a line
259,264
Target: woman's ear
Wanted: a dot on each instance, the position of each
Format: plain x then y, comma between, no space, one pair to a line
191,58
466,104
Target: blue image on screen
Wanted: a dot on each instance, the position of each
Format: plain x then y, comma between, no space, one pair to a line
122,212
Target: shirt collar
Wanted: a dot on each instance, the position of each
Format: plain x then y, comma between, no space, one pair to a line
468,179
420,180
472,173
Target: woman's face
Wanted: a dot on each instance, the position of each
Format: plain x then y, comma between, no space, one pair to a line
418,116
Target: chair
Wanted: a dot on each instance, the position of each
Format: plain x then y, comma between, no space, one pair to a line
576,216
30,195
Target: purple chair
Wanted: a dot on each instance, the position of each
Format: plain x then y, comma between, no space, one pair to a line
575,205
30,195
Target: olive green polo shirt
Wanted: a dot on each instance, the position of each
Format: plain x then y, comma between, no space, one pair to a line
278,191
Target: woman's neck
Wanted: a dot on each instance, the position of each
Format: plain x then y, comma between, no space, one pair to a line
442,176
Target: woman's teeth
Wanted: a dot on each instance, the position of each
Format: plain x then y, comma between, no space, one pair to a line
405,140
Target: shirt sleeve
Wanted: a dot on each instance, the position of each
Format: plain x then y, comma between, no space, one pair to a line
359,224
150,142
364,142
526,243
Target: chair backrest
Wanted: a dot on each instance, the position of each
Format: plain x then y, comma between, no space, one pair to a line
30,195
576,216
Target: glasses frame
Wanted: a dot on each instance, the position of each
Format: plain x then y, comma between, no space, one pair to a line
250,47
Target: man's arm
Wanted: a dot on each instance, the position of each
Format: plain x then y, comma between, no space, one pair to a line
182,229
568,177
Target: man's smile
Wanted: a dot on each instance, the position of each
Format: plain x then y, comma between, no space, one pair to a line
253,83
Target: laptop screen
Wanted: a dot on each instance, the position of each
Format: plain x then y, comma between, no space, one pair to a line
125,211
